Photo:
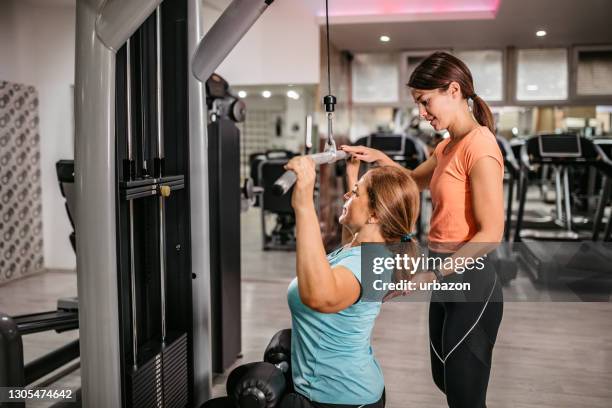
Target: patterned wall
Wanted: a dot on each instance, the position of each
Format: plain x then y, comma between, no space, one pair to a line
21,235
257,134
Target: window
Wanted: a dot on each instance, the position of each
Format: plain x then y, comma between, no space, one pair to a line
375,78
487,71
542,75
594,71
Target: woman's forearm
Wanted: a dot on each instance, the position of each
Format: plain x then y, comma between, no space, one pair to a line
315,278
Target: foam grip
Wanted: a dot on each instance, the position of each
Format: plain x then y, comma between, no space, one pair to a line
261,386
278,353
236,375
279,348
221,402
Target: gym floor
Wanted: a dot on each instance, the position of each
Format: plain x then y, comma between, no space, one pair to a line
547,354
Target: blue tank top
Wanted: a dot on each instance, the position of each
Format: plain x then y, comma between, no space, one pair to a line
331,354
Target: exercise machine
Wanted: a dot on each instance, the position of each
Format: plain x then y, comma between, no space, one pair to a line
556,260
225,110
260,384
606,147
269,167
142,194
13,370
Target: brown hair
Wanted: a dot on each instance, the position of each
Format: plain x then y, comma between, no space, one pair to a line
394,197
438,71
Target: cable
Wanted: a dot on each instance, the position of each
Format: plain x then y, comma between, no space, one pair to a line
329,100
327,34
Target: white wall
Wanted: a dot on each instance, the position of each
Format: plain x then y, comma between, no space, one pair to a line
37,47
282,47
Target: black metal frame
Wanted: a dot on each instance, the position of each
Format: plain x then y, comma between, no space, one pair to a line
140,181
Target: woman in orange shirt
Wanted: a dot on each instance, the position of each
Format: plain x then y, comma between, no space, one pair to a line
465,177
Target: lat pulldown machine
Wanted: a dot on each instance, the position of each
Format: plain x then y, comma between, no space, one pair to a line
141,179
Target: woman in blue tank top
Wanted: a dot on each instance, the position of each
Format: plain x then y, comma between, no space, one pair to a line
332,361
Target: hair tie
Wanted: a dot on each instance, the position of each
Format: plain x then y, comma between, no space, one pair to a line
470,102
474,96
407,237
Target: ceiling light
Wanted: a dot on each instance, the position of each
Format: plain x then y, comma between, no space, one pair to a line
532,87
242,94
541,33
293,95
385,38
266,94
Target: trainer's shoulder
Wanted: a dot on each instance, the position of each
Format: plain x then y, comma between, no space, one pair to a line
483,133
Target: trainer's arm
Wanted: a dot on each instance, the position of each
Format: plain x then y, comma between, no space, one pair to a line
421,175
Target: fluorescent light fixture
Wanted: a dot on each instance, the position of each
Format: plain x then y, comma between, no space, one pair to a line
293,95
266,94
540,33
532,87
242,94
385,38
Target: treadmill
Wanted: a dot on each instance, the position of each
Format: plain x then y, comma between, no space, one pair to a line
513,171
605,145
563,255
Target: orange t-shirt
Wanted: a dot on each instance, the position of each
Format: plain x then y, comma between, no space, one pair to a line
452,219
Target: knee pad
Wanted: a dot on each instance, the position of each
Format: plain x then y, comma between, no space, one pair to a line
236,375
256,385
278,353
279,348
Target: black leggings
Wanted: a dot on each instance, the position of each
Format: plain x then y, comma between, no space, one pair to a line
462,335
295,400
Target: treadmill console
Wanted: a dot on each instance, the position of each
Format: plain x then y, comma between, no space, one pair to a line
561,145
387,143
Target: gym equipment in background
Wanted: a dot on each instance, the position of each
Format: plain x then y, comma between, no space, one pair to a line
562,151
13,371
606,147
224,206
282,235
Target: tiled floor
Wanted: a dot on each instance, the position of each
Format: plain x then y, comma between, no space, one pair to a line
547,355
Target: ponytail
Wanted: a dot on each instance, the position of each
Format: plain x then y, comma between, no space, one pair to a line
482,113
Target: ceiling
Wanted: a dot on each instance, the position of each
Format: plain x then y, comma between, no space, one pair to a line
461,24
357,11
515,23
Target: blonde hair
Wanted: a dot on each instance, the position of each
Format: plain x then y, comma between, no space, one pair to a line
394,198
